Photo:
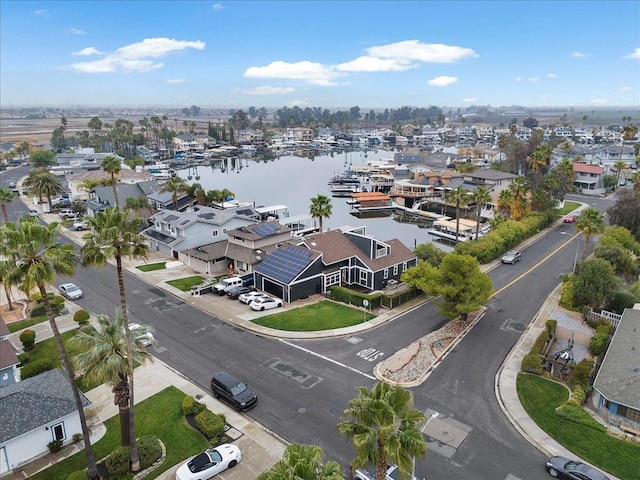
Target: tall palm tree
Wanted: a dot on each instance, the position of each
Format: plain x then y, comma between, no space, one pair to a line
320,208
618,165
385,428
566,176
39,259
43,183
116,234
459,197
589,223
175,185
303,462
112,166
519,191
480,197
505,201
6,196
104,360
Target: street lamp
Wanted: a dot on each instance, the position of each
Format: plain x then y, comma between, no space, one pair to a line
413,466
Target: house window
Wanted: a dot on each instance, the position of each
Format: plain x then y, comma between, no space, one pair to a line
224,230
386,273
57,432
214,233
630,413
332,279
404,266
363,277
395,269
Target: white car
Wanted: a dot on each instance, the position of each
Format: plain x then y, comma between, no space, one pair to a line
265,303
70,291
210,462
250,296
145,338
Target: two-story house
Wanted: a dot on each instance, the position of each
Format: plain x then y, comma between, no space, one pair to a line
101,197
589,178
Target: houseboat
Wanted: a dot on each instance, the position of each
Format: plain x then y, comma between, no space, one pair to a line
345,190
446,230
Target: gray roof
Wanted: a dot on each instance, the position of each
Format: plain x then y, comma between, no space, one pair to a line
36,401
127,190
491,175
618,379
211,251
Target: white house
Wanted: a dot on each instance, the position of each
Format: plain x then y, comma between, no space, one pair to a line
35,412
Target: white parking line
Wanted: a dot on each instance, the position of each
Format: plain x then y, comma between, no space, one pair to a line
328,359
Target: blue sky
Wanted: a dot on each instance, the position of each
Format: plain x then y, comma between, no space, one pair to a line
372,54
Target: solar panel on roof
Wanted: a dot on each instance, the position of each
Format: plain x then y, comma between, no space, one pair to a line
265,229
286,263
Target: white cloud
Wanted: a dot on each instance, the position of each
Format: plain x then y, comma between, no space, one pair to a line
76,31
42,12
626,88
176,80
551,75
518,79
635,55
86,52
600,101
134,57
533,79
415,51
218,6
442,81
312,72
375,64
578,55
266,90
470,99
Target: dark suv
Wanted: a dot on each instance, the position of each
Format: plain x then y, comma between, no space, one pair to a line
233,390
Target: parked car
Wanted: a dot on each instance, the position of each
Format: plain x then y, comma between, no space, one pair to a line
571,218
210,463
233,390
70,291
512,256
33,212
69,214
250,296
564,468
265,303
145,338
80,225
235,292
12,184
226,283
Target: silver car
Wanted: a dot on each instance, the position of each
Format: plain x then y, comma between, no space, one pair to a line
512,256
70,291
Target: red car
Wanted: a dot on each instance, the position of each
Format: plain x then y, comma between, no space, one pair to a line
570,218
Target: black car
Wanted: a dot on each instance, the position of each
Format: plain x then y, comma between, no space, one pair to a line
562,467
235,292
233,390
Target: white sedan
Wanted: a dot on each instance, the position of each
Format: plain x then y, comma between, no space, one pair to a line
250,296
265,303
143,335
70,291
210,463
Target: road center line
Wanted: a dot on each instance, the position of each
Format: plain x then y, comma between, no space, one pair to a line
327,359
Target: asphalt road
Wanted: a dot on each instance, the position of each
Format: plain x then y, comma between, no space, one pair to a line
303,386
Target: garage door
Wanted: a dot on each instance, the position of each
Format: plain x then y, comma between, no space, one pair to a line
273,288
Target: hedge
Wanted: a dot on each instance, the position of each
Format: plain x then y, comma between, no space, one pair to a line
598,343
118,462
345,295
579,375
81,317
192,407
532,363
149,450
210,424
36,368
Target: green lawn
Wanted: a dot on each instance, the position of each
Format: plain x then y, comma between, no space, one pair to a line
160,415
186,283
150,267
324,315
27,322
569,207
540,397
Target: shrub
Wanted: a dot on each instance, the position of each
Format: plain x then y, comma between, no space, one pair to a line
76,437
149,450
604,327
28,339
190,406
24,358
348,296
598,343
580,374
578,394
210,424
57,303
55,446
572,411
566,297
78,475
117,462
531,363
540,343
38,311
621,300
81,316
551,326
36,368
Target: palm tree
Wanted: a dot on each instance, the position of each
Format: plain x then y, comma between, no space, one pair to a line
112,166
566,176
385,428
104,360
519,190
459,197
320,208
115,234
175,185
41,182
480,197
39,259
635,179
6,196
590,222
505,201
303,462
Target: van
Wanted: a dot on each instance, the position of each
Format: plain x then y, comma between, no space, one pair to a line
226,283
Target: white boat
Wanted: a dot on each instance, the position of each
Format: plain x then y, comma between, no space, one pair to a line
345,190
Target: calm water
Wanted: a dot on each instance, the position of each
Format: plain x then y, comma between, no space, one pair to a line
294,181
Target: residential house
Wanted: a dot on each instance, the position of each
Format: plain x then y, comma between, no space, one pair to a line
616,388
185,143
76,181
9,372
101,197
608,155
589,178
346,257
148,155
493,180
423,184
35,412
173,232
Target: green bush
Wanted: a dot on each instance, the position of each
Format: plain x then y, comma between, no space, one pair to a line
540,343
598,343
57,303
76,437
117,462
81,317
580,374
36,368
566,297
572,411
551,326
28,339
604,328
55,446
621,300
78,475
211,424
24,358
38,311
532,363
149,450
578,394
348,296
190,406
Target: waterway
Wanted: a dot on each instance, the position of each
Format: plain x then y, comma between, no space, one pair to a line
293,181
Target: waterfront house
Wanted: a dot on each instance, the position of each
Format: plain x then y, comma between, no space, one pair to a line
101,197
35,412
77,180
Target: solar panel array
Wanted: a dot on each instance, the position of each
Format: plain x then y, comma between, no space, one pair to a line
285,263
266,229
